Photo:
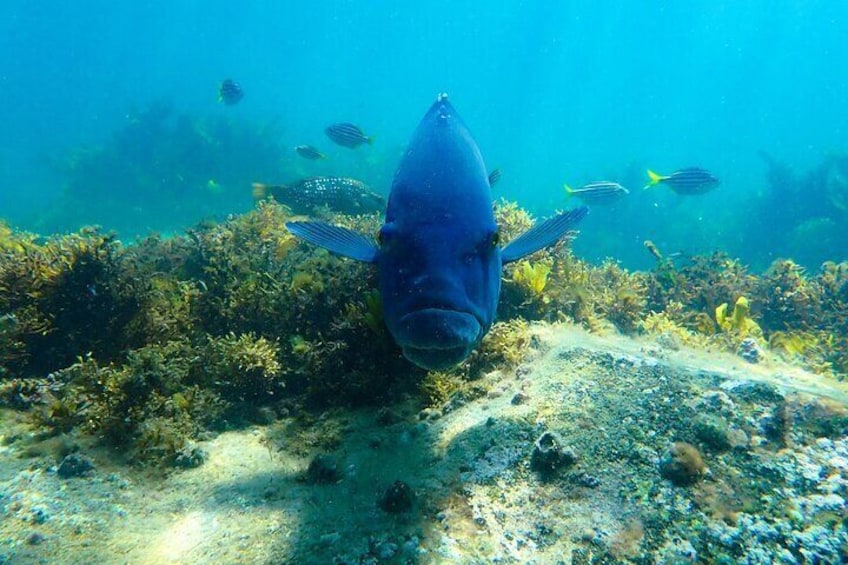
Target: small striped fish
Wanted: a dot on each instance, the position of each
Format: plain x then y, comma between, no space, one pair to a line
229,92
600,192
309,152
340,194
494,177
347,135
691,180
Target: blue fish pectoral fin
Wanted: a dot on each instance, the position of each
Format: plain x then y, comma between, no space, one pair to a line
541,236
334,239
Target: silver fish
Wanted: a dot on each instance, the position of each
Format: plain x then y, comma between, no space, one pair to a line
600,192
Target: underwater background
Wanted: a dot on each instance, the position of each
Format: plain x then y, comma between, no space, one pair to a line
111,117
189,383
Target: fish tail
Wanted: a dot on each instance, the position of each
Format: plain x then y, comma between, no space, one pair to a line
260,191
370,140
569,192
655,178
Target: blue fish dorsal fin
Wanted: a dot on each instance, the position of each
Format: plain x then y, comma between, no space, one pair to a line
541,236
334,239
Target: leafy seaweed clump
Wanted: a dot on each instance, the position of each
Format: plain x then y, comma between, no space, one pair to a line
153,345
62,297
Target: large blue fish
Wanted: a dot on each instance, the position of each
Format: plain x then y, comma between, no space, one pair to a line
439,252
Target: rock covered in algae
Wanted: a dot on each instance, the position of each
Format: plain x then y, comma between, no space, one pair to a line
323,469
75,465
682,464
750,351
550,454
397,498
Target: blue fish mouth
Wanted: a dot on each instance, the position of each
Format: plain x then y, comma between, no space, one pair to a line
437,338
437,359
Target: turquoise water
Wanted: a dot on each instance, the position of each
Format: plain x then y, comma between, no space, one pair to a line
554,92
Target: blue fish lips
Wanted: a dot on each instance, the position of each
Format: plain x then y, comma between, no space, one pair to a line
437,339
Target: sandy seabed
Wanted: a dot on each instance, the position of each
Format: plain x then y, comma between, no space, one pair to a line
772,488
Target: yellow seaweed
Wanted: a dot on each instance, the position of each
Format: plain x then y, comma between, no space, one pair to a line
738,321
532,277
793,343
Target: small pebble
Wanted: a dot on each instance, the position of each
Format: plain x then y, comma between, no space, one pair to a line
323,469
190,456
397,498
38,516
386,417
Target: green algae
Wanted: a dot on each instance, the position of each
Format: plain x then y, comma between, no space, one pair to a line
152,344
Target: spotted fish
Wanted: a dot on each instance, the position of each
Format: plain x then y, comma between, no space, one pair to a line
340,194
439,253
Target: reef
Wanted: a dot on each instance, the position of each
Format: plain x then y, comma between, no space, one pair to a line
156,355
154,344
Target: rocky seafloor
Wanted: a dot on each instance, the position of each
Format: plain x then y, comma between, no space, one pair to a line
593,450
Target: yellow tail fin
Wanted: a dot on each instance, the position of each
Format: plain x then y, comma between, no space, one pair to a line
655,178
569,192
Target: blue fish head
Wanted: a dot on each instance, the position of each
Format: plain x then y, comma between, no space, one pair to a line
439,253
439,258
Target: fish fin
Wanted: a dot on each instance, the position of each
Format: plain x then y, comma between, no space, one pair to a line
370,140
655,178
541,236
569,192
260,191
494,177
334,239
